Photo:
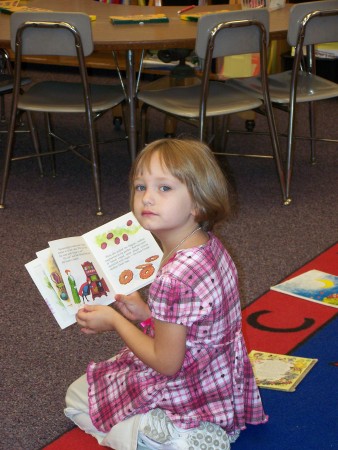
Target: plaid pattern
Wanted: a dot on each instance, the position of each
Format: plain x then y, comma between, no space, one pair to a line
196,288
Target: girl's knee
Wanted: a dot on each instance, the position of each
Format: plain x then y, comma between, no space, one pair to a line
77,395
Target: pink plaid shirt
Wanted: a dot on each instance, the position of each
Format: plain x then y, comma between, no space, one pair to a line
198,289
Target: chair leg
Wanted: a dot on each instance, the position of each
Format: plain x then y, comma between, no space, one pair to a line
35,140
290,149
277,154
2,109
95,166
50,142
8,155
224,128
144,125
312,132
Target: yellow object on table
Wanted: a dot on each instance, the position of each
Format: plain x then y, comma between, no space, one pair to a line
139,19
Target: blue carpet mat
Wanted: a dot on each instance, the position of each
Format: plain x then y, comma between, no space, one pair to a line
307,418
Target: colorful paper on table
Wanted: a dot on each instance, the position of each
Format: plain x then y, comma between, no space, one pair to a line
197,16
139,19
9,7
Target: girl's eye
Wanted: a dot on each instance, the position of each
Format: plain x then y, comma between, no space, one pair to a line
165,188
140,187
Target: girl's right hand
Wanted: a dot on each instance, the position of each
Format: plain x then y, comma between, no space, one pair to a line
132,306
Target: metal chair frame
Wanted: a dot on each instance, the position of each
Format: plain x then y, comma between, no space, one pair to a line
90,110
207,52
302,33
5,81
310,67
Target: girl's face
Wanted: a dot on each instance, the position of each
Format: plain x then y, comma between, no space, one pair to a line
161,202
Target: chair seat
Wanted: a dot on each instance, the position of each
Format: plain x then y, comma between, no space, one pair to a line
64,97
6,83
185,101
309,87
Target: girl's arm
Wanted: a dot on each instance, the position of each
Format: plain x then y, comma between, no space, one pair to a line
163,353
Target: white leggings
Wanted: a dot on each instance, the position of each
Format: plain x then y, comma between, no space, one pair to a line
122,436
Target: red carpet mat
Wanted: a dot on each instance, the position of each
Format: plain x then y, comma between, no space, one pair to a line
278,322
275,322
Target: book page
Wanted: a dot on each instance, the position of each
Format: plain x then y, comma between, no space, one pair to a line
54,277
281,372
128,255
53,301
84,280
313,285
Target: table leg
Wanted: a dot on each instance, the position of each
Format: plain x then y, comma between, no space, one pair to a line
131,92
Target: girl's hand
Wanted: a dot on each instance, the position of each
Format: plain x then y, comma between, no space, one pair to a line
132,306
95,319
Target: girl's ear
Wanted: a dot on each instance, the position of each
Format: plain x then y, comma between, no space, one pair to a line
195,210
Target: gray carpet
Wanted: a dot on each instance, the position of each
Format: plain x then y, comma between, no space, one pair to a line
267,241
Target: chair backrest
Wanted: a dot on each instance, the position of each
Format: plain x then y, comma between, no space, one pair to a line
320,28
237,37
46,38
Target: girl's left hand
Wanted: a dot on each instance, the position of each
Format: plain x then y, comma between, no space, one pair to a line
95,319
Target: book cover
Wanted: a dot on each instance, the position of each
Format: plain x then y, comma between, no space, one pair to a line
44,284
313,285
118,257
280,372
55,280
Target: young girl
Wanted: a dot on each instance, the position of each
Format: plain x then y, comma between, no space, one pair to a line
184,380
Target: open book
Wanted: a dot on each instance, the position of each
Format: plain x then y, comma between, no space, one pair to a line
281,372
313,285
118,257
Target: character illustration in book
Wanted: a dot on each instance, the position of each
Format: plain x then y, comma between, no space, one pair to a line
97,285
60,286
72,284
56,278
117,235
84,290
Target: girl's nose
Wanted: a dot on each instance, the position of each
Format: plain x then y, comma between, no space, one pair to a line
147,198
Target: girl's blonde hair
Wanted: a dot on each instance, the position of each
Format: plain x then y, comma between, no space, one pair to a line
193,163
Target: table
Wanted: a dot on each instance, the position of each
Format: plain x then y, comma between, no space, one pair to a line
129,38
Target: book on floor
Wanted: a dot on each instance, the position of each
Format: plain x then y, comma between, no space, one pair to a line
118,257
280,372
314,285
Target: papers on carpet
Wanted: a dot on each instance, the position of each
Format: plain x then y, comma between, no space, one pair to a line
280,372
313,285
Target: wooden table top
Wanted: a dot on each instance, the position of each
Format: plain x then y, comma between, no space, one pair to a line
175,33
